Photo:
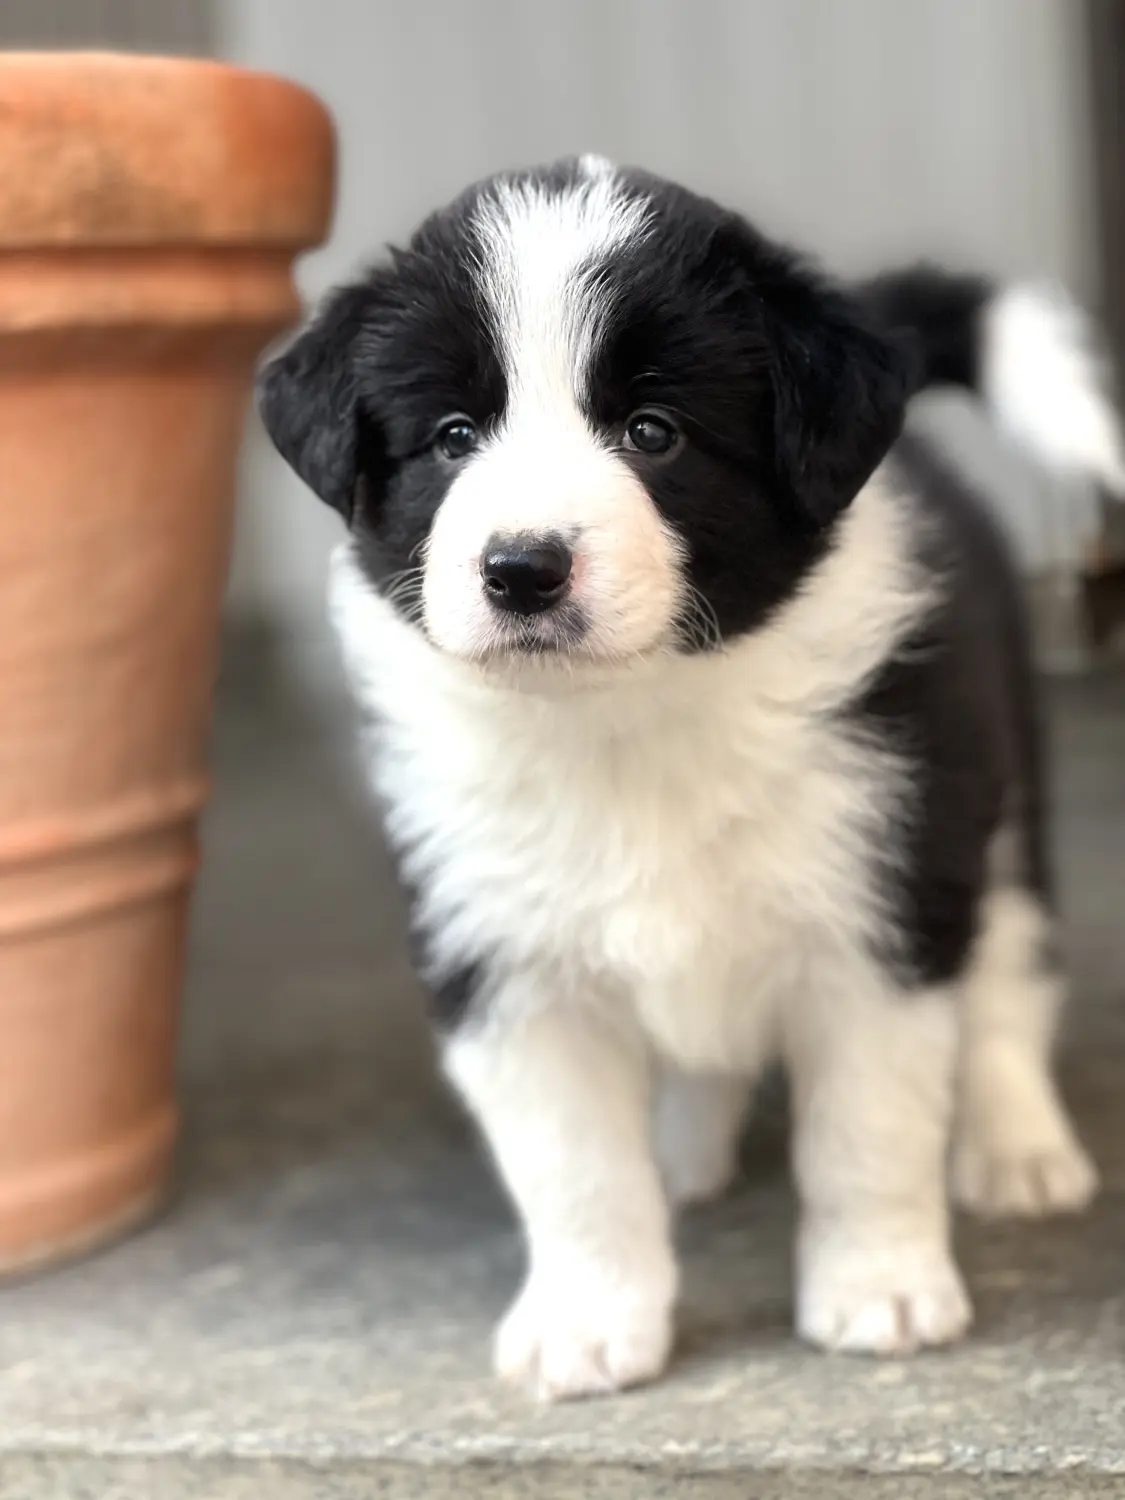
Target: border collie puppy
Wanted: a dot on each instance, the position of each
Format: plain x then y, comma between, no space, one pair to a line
703,719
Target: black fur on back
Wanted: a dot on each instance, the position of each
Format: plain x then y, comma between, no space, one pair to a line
960,702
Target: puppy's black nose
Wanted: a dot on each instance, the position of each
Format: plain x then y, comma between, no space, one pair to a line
525,575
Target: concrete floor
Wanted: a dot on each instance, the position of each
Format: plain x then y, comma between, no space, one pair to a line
310,1316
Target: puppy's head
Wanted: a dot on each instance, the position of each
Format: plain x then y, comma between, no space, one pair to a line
587,414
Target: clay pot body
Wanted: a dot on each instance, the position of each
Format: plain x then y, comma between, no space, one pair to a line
149,213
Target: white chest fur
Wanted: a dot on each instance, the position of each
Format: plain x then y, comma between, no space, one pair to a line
688,839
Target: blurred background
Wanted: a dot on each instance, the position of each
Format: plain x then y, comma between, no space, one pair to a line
984,132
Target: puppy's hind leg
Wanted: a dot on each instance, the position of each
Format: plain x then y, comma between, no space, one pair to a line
1015,1150
698,1123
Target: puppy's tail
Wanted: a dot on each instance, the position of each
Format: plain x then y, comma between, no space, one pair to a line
1026,350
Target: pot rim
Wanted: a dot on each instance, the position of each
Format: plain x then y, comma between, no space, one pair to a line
97,153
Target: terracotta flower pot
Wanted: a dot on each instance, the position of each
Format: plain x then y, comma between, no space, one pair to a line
149,212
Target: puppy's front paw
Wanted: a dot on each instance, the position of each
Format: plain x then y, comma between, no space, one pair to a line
586,1333
862,1295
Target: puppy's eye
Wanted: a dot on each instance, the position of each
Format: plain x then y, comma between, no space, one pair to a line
651,432
456,437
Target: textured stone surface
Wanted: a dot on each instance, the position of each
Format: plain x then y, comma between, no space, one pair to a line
310,1316
178,1478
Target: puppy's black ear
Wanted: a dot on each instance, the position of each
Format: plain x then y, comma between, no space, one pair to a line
308,399
840,389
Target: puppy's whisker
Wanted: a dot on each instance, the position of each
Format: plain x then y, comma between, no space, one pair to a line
403,591
697,623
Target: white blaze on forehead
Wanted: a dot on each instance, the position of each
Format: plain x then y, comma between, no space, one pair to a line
537,240
544,472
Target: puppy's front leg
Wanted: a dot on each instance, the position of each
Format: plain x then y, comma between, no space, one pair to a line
873,1078
564,1101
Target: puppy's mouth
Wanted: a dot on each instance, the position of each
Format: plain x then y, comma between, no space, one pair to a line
562,633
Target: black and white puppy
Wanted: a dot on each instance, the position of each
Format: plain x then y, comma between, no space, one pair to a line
704,724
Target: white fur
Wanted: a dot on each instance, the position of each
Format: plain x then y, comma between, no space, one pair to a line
1015,1150
545,472
536,242
1046,384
